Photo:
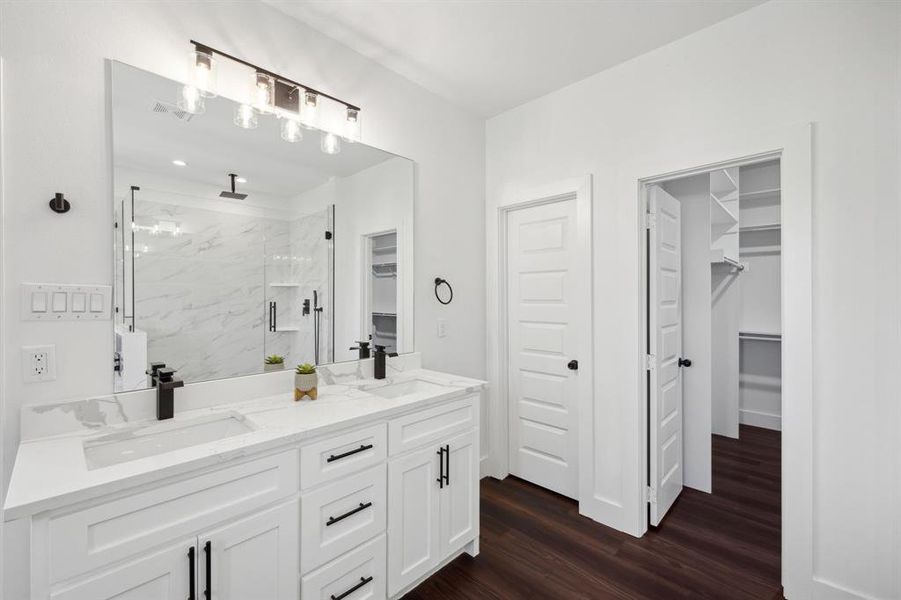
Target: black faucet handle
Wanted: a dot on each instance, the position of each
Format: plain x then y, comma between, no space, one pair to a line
165,375
379,348
363,345
155,367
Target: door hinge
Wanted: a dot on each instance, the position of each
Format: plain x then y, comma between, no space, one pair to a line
650,220
650,362
651,494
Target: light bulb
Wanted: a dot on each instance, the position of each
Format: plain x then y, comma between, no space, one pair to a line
309,109
291,130
329,143
202,74
246,116
262,91
191,101
352,126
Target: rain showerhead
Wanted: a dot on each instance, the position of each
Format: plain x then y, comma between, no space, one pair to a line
233,195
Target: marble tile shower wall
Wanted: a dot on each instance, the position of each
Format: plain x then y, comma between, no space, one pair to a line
202,295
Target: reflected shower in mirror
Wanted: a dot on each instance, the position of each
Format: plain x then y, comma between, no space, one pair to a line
234,247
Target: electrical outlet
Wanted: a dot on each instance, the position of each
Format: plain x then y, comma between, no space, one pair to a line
38,363
442,327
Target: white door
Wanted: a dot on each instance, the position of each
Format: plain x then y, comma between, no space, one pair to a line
413,517
162,575
665,340
548,331
460,496
256,557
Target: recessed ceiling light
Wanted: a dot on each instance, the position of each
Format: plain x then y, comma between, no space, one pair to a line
179,163
241,180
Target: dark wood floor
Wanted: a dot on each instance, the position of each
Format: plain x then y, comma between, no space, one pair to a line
723,545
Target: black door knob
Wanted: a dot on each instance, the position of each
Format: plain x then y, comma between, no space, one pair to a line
684,362
573,365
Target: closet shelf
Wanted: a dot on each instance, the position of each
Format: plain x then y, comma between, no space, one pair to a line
764,337
720,216
390,315
761,194
718,256
721,183
285,329
384,249
287,284
762,227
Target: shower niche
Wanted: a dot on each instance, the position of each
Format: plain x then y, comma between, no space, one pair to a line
232,245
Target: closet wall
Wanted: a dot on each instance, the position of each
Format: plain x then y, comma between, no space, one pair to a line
760,370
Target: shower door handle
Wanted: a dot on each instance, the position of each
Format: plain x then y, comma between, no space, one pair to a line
272,323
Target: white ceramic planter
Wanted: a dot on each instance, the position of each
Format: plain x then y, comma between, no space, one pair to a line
306,385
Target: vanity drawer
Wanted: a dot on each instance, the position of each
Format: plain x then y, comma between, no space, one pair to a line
362,570
341,516
342,454
431,425
77,542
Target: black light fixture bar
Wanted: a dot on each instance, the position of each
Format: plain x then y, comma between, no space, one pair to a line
210,50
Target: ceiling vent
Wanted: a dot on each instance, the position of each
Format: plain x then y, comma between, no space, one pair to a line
167,108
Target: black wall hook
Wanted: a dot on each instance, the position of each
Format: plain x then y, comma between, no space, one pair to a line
439,281
59,204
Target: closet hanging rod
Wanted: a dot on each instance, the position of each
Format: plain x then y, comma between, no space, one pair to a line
734,263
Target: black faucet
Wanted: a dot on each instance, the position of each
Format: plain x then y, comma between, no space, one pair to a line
165,383
378,367
363,349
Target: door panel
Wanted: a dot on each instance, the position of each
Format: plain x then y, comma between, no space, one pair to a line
162,575
548,315
255,557
460,497
665,327
413,517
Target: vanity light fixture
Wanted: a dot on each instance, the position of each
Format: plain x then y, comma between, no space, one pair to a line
271,93
329,143
179,163
241,180
246,117
291,130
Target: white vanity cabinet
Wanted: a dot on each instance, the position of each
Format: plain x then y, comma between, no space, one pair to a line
364,512
434,509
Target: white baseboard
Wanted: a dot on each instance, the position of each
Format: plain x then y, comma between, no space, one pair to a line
825,590
760,419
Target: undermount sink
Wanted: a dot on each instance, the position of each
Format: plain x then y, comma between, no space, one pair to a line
405,388
159,438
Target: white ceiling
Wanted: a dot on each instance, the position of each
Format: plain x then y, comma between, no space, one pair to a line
489,56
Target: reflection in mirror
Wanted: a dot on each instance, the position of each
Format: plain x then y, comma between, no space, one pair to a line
234,247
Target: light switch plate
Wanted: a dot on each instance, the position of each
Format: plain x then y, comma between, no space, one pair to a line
442,328
66,302
38,363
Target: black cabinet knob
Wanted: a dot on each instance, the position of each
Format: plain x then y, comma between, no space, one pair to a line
573,365
684,362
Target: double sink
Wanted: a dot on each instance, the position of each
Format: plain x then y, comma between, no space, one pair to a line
155,438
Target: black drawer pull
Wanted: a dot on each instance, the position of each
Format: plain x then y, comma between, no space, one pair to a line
208,552
440,479
333,520
335,457
363,581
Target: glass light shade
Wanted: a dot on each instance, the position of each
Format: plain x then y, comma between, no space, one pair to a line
203,73
263,91
191,100
291,131
246,116
330,143
352,126
309,110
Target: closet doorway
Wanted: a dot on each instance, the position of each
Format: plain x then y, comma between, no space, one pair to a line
714,285
547,284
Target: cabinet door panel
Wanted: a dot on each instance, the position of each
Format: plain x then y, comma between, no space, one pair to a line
460,497
256,557
162,575
413,520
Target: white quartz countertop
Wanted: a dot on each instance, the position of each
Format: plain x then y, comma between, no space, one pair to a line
52,472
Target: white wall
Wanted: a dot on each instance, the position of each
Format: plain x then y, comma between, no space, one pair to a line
60,141
780,64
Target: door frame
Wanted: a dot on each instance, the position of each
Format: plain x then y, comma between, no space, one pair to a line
497,461
793,148
366,287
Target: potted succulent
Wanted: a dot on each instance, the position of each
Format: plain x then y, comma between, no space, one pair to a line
274,363
305,381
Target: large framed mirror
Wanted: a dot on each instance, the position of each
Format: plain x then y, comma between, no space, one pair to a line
233,246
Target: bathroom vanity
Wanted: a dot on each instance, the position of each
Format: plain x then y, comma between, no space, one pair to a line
360,494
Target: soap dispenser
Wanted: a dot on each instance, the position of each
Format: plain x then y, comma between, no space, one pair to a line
378,367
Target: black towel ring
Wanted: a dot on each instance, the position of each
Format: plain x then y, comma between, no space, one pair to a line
438,282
